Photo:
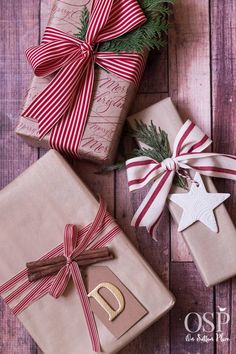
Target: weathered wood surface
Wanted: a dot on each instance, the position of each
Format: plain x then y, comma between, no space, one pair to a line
223,65
198,71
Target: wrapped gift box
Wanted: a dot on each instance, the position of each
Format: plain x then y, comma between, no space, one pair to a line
213,253
111,99
34,209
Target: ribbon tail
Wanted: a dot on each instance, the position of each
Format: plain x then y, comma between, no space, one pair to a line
92,328
60,282
150,210
190,139
141,170
129,66
210,164
98,19
38,291
67,134
125,16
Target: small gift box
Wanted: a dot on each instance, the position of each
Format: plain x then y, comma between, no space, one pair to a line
81,109
107,303
204,221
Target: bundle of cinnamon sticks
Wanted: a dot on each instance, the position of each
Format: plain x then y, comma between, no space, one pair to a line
42,268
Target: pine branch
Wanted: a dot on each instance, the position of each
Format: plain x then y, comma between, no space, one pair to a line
147,36
157,141
110,168
157,147
84,24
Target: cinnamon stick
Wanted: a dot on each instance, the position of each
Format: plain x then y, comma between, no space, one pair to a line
87,254
53,269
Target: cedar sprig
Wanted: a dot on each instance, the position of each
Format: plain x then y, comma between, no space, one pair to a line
157,141
147,36
156,147
82,30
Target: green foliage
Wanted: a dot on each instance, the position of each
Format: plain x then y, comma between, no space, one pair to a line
84,24
147,36
110,168
159,148
156,147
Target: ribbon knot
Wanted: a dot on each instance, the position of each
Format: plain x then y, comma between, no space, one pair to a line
62,107
87,49
69,260
187,155
169,164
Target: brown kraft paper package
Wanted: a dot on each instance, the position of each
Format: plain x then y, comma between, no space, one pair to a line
111,100
213,253
34,209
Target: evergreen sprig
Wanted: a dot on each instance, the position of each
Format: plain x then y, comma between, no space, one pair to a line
147,36
84,24
156,147
159,148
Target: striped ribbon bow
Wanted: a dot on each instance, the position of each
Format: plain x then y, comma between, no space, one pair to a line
187,155
63,106
90,237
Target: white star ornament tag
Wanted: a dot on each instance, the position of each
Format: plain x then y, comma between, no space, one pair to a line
198,205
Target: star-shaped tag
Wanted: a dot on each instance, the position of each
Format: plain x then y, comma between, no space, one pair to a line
198,204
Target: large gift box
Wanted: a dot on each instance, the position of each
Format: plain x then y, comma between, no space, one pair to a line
91,127
212,244
34,210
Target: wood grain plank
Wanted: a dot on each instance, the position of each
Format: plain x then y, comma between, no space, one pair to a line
223,63
19,29
233,318
45,10
189,76
223,36
191,296
156,338
155,78
223,301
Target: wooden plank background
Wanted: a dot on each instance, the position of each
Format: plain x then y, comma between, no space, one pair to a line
198,69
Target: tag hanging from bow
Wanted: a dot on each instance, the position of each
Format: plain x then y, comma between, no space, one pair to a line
187,155
93,236
62,107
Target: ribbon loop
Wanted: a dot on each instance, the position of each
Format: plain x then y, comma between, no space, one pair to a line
187,155
70,240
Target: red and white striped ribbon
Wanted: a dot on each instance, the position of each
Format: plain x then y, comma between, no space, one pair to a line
187,155
62,107
74,244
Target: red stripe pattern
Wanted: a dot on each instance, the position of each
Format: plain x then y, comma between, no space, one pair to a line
62,107
187,155
95,235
